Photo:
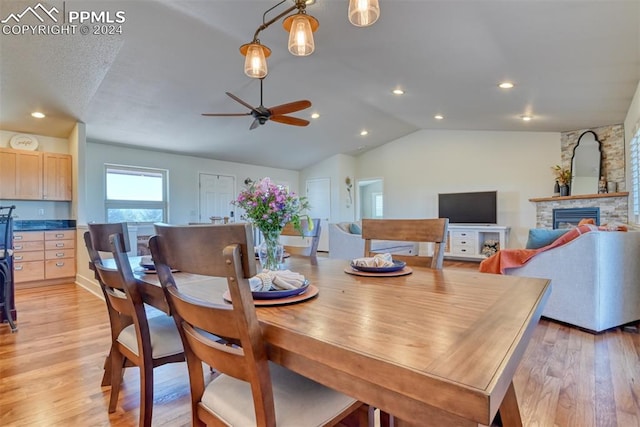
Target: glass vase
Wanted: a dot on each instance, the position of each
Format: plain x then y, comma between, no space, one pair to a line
270,251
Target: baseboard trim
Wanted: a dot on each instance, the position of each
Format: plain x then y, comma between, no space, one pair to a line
90,285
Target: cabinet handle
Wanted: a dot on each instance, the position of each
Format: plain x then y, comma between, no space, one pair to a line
59,264
17,257
59,236
17,247
17,237
18,268
59,245
60,254
463,250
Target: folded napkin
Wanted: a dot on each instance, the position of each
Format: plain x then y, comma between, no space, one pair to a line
276,280
379,260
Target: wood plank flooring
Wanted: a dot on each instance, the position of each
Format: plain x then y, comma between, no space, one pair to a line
50,371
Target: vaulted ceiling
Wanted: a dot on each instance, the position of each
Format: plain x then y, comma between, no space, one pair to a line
575,65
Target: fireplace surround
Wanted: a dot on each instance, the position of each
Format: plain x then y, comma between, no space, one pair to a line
613,207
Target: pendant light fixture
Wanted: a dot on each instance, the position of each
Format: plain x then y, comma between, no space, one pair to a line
363,13
301,27
255,63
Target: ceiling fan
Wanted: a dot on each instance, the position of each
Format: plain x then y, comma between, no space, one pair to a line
261,114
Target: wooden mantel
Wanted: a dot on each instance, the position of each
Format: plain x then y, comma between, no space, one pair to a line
580,196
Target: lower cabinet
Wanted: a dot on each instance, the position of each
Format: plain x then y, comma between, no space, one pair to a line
43,256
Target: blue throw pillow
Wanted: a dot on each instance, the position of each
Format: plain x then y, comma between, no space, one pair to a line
354,228
539,237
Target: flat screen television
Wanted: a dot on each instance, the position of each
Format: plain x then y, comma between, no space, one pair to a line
469,208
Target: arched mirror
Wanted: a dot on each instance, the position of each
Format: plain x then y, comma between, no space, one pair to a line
585,164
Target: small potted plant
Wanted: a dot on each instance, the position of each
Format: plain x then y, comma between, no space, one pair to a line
563,176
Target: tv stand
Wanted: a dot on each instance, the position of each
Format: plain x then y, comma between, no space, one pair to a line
466,241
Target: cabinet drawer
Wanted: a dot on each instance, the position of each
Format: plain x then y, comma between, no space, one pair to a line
60,253
462,234
20,256
461,241
463,250
55,269
27,236
59,244
60,235
28,246
28,271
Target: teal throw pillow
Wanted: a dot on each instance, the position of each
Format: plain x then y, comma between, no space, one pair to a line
539,237
354,228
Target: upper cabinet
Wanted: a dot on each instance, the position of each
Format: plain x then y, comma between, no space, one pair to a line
57,176
33,175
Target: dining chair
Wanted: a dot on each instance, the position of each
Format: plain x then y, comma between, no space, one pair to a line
136,340
314,234
250,390
6,265
432,230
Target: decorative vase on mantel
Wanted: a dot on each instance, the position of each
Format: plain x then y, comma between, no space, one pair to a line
564,190
270,251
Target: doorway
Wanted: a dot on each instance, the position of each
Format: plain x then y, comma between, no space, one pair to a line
370,198
318,191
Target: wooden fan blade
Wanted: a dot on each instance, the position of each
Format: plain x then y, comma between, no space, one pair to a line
291,107
235,98
288,120
225,114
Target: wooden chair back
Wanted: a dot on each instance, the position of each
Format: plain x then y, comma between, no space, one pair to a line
222,251
433,230
312,249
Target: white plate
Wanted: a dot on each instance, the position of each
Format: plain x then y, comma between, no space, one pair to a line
23,142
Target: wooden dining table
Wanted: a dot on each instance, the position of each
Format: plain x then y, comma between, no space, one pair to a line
434,347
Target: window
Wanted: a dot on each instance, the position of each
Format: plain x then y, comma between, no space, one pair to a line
135,194
377,205
635,174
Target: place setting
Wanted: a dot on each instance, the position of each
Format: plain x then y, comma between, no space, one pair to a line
278,287
380,265
146,266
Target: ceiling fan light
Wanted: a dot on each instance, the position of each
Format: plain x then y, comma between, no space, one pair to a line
301,27
363,13
255,63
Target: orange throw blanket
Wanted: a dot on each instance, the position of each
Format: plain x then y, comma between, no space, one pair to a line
512,258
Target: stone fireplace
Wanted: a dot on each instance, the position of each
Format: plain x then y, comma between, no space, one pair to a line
570,217
612,207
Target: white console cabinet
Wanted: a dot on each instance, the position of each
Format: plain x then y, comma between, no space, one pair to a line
467,241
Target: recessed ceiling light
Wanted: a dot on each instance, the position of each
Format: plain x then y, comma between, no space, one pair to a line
315,115
364,133
38,115
438,117
398,92
526,118
505,85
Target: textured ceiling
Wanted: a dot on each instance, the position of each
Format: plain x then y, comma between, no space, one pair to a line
576,65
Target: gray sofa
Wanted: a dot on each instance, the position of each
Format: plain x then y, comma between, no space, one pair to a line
595,279
345,245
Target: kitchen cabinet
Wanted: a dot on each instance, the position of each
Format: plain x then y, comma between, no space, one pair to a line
44,257
34,175
20,174
57,176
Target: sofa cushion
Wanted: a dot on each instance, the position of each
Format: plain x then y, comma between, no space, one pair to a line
539,237
354,228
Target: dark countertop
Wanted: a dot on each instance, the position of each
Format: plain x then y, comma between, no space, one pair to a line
44,224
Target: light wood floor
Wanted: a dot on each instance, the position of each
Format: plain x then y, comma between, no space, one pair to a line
50,371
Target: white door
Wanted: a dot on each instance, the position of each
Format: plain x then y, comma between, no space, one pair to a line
319,196
216,194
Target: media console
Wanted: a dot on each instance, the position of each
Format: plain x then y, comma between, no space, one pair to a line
467,241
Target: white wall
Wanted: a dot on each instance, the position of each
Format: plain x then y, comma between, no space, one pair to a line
337,168
183,177
417,167
631,127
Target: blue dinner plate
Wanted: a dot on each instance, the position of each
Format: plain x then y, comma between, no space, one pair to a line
280,294
397,265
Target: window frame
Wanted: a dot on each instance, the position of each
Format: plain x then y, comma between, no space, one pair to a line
163,205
